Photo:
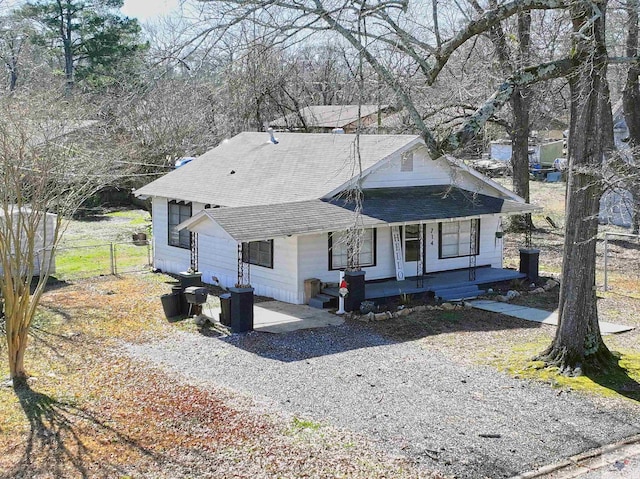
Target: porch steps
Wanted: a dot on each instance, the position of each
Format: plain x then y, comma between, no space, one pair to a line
458,293
321,301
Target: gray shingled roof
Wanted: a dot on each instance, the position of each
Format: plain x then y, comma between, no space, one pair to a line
326,116
250,170
380,206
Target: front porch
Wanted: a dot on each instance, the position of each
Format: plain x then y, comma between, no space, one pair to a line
439,283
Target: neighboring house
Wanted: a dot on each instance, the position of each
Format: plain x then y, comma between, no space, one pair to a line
283,209
326,118
617,204
542,153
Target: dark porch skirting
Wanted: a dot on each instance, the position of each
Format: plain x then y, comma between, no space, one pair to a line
431,282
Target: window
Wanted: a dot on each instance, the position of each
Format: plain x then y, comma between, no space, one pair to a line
179,212
455,239
406,161
259,253
339,250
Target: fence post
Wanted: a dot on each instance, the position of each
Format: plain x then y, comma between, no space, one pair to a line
113,258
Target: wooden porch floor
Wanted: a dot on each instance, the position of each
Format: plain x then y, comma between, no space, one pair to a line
433,281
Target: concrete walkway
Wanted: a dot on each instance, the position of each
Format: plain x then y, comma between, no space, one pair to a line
538,315
278,317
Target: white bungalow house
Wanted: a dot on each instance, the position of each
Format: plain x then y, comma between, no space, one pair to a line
282,208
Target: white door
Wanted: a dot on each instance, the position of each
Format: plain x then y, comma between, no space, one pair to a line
413,244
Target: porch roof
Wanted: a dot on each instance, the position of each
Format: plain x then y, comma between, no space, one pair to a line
383,206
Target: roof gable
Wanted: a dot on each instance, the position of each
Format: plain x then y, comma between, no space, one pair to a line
250,170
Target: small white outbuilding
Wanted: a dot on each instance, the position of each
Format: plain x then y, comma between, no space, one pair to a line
21,229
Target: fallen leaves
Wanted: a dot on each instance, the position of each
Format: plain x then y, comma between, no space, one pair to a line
95,412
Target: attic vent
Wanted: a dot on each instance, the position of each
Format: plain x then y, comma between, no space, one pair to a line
406,161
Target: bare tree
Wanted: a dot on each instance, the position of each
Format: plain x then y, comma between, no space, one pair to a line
631,102
45,177
520,102
578,345
13,37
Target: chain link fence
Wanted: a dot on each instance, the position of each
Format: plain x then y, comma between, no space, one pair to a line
85,261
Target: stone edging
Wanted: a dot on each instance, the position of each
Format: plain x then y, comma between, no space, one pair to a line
404,311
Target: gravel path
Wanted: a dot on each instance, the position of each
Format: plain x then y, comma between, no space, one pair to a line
466,421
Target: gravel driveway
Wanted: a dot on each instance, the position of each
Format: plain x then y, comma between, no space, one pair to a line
466,421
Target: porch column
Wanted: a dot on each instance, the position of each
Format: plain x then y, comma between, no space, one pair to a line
356,286
529,261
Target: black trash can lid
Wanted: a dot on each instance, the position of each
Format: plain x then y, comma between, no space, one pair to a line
225,296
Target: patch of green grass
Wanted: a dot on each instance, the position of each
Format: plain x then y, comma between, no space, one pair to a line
130,256
621,381
78,261
93,260
303,424
135,217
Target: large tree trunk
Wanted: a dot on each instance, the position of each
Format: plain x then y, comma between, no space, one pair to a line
66,29
13,78
578,345
520,152
631,100
520,105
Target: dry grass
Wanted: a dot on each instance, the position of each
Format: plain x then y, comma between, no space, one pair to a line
91,411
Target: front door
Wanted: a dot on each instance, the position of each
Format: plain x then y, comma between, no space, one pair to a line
413,243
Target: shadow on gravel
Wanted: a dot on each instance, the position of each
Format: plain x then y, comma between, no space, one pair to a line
432,323
310,343
58,443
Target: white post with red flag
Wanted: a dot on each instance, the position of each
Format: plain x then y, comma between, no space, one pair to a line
343,291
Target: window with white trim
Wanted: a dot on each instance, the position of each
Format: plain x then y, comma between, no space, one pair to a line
179,212
339,250
455,239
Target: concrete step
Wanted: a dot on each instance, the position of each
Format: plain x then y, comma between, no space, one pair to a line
321,301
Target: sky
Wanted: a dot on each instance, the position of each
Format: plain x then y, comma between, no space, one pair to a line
148,9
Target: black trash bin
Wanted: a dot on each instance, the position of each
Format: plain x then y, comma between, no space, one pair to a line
241,310
179,290
171,305
225,309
